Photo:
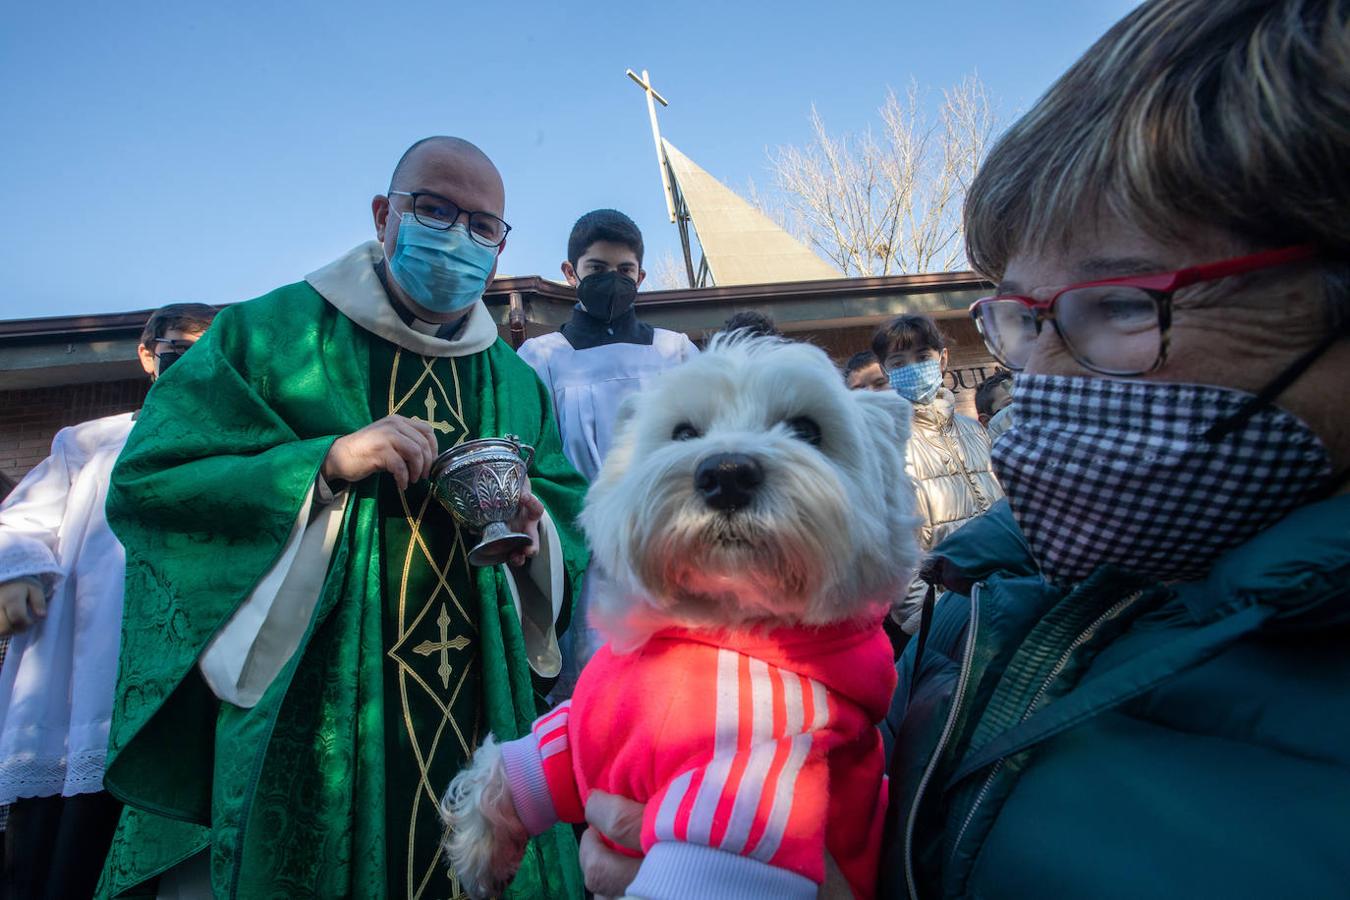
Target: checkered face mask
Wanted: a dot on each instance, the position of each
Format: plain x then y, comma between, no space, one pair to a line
917,382
1102,471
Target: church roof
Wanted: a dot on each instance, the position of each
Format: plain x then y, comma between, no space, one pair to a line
740,244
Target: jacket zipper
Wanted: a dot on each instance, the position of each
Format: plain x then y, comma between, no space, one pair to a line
1055,672
961,684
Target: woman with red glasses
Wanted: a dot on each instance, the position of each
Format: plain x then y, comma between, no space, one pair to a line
1140,689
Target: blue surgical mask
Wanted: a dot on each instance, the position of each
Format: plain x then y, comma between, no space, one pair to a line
917,382
442,271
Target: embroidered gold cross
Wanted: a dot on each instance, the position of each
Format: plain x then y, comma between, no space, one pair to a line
430,402
426,648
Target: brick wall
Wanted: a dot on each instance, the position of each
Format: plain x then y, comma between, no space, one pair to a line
30,419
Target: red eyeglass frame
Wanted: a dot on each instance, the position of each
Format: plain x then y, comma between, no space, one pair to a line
1162,285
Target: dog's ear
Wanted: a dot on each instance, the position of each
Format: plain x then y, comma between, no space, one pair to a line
887,414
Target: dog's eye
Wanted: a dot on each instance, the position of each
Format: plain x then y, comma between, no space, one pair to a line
684,432
806,429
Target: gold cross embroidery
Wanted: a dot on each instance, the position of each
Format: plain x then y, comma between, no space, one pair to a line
426,648
430,403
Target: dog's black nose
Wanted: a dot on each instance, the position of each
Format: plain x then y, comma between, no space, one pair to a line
727,481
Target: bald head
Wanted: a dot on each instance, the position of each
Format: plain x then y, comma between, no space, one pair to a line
441,149
445,173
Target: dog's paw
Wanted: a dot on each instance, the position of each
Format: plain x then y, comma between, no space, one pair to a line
484,838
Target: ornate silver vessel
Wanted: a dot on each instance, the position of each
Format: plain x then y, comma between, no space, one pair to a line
480,482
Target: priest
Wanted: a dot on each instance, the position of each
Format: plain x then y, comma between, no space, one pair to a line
307,655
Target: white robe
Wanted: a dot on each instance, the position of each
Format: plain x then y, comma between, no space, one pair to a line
587,387
56,687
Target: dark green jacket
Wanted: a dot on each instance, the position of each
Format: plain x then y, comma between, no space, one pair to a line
1130,739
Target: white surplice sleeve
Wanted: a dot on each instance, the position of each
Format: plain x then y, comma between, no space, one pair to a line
537,590
31,517
689,350
248,653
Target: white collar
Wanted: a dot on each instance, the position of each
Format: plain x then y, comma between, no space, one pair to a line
352,285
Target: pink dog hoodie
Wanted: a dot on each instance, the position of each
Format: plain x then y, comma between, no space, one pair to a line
753,752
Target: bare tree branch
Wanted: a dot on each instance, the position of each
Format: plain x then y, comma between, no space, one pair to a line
667,274
874,204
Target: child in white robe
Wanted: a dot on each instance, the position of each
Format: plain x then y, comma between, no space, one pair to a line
601,356
61,581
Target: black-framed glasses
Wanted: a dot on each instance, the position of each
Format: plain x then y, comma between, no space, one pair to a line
440,213
165,345
1116,326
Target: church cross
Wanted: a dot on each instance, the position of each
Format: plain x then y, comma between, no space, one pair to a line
645,82
430,403
443,646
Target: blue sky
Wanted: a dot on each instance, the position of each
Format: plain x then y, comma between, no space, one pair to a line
165,151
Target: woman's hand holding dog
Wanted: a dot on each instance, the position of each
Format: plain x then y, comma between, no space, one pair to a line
607,873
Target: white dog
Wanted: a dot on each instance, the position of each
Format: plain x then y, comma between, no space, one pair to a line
759,515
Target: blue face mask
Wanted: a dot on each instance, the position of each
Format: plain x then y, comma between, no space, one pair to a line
917,382
442,271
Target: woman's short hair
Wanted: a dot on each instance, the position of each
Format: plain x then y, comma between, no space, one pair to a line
907,332
1229,113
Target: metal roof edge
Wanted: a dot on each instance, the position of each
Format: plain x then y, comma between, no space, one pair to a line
538,287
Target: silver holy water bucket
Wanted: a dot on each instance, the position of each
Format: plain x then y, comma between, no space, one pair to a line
480,482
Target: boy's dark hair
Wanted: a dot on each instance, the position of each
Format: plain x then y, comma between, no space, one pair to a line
603,225
984,392
756,323
180,316
908,332
860,360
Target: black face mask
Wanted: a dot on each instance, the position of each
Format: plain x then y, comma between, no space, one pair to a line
607,295
164,360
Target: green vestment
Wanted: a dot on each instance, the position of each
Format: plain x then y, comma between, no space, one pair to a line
327,786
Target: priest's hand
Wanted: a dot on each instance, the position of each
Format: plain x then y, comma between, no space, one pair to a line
21,602
526,521
403,447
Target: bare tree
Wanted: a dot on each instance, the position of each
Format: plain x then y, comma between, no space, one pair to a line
887,202
667,274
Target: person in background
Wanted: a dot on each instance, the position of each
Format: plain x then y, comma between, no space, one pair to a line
863,372
602,355
948,454
61,578
993,403
757,323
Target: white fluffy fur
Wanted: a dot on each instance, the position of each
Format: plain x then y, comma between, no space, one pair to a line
484,838
830,534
